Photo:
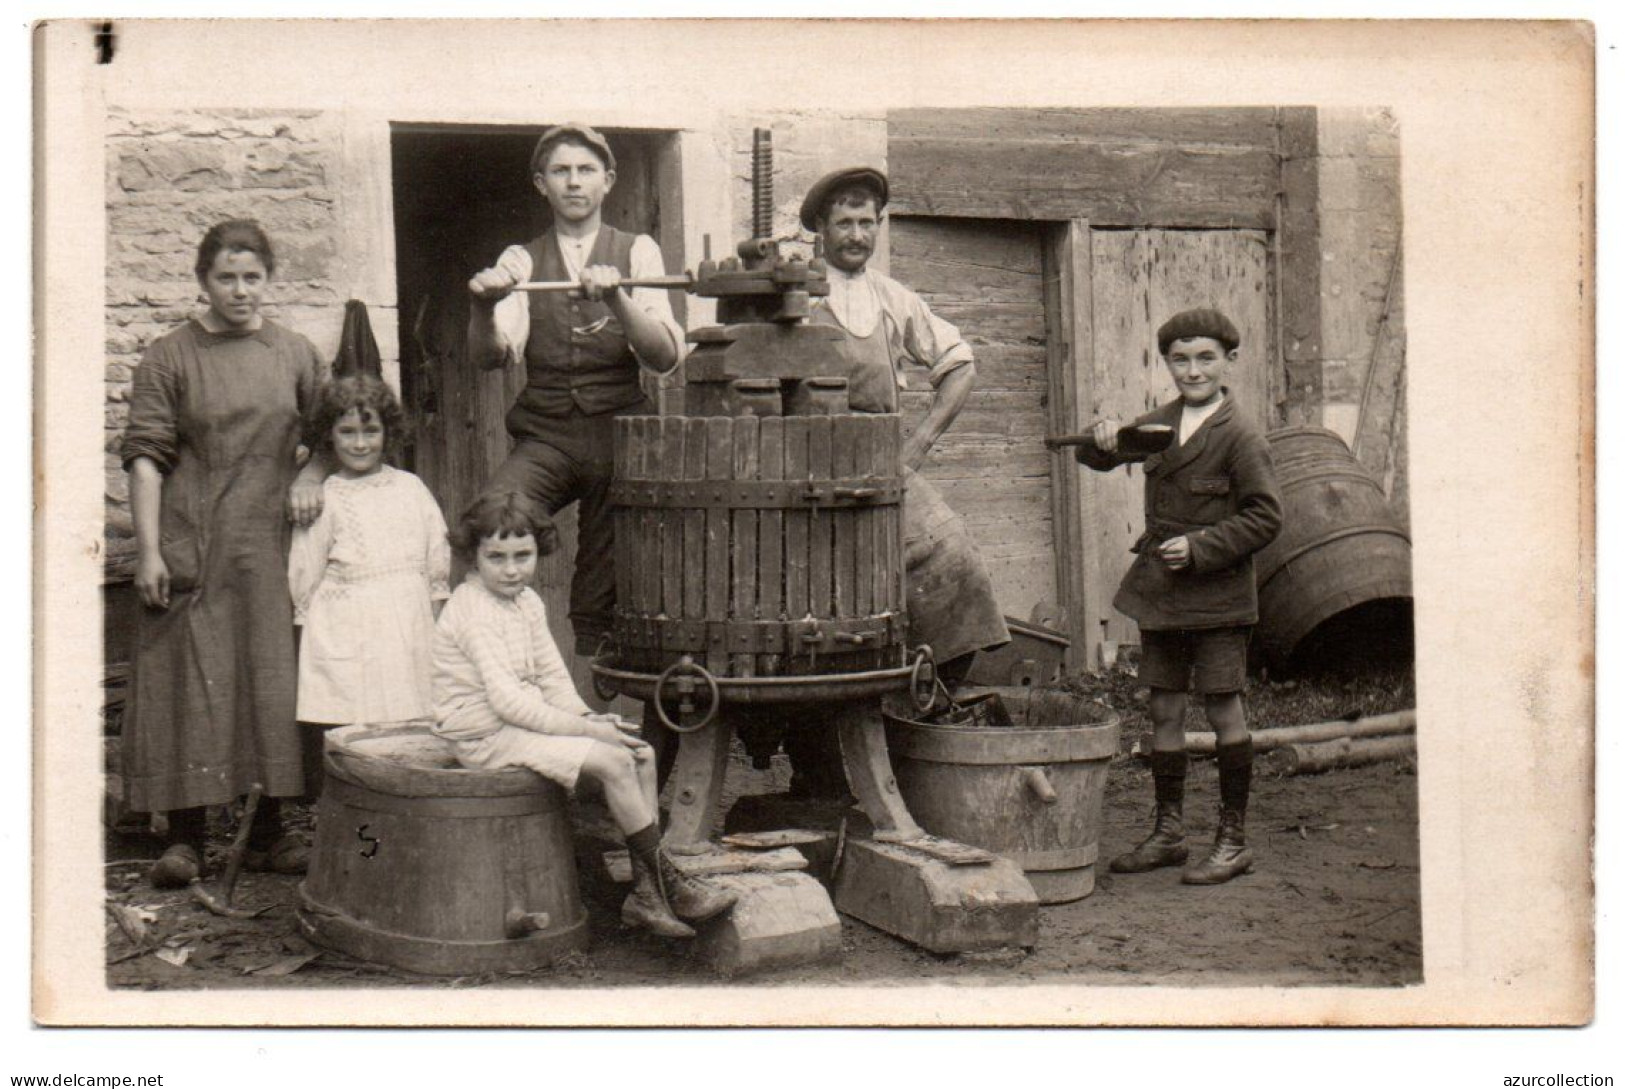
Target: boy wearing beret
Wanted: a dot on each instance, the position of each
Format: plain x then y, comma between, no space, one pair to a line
1210,503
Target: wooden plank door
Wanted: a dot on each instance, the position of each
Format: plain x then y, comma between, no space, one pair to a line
986,277
1134,281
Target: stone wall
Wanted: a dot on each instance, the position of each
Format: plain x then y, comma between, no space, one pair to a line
170,176
1362,290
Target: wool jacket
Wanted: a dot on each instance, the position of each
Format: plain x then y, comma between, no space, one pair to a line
1218,490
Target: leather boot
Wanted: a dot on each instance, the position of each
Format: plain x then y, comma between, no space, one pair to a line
646,907
1230,857
179,867
690,899
1165,846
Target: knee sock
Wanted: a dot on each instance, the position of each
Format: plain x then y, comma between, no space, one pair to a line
1168,776
645,845
266,828
1235,775
189,826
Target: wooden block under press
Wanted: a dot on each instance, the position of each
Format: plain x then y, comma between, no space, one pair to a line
943,908
780,920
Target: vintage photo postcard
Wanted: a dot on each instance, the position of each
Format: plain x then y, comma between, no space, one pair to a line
693,523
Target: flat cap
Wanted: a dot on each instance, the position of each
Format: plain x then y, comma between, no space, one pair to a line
867,176
587,135
1198,323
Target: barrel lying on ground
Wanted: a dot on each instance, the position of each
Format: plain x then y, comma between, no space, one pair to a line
1342,561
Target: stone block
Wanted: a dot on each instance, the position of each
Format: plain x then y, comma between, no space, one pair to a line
781,920
187,167
942,908
271,165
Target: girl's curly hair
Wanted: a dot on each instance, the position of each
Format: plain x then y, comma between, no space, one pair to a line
363,391
502,514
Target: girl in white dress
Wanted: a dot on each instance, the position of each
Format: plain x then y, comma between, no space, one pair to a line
369,576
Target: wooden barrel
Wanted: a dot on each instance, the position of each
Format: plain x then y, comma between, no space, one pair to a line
1340,546
426,866
1033,793
759,546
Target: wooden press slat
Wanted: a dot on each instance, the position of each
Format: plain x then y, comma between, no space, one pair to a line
863,552
843,524
625,521
770,535
718,537
888,591
746,463
648,558
671,522
636,523
819,573
693,521
795,522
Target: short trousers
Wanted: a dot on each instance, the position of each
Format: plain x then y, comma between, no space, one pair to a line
552,756
1212,660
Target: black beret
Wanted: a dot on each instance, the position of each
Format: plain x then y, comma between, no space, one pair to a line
868,177
1198,323
589,136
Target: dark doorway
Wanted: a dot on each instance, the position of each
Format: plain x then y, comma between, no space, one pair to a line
461,195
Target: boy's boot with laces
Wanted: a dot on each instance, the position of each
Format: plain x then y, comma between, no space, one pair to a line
688,898
1230,857
646,907
1165,846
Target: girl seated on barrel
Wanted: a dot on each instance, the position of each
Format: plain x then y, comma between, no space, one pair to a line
503,698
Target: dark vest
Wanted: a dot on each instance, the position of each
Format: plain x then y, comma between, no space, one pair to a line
577,356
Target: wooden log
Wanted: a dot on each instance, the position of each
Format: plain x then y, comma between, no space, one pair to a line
713,862
1348,752
1205,744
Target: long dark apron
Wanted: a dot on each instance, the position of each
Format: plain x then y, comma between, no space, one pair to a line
951,605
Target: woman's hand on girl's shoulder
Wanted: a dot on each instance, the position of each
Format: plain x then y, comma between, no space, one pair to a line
304,500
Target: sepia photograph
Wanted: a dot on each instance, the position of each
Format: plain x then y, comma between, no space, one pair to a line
675,551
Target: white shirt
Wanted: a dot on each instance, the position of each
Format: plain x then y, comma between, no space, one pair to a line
1191,418
512,314
860,300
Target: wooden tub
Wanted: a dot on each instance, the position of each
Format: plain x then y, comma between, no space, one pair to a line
1032,793
426,866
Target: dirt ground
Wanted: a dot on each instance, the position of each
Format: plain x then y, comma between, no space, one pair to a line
1334,898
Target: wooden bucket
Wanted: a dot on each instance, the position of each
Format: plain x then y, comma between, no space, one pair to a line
427,866
1033,793
1340,547
759,546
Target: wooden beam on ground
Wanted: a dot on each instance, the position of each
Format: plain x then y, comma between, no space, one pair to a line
1348,752
1206,743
